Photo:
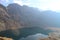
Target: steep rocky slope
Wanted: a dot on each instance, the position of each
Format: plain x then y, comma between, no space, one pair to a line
23,14
6,22
3,18
29,16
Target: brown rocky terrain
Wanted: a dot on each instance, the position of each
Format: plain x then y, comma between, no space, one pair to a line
5,38
53,36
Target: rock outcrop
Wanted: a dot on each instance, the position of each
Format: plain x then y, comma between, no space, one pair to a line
5,38
53,36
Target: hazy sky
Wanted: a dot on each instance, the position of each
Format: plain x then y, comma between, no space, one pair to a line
41,4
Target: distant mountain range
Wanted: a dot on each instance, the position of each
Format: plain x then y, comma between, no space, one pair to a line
28,16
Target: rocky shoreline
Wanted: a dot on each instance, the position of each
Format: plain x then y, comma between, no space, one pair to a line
5,38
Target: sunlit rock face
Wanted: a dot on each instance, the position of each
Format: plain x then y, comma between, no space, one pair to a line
3,18
5,38
6,23
53,36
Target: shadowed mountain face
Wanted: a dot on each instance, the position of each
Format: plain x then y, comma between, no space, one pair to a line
28,16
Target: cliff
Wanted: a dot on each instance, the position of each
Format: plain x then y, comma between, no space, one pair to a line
7,23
